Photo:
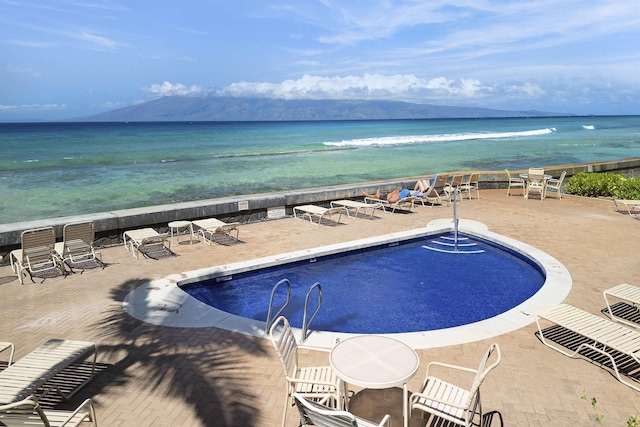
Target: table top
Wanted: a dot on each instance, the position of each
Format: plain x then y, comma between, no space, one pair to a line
179,224
526,175
374,361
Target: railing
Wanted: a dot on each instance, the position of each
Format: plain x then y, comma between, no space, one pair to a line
270,318
305,323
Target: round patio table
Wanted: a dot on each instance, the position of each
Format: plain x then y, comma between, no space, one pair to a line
176,226
375,362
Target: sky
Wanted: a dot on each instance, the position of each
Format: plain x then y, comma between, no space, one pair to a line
61,59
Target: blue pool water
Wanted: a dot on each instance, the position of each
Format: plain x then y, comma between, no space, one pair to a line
394,288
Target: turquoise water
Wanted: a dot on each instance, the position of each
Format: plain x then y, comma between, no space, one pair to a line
59,169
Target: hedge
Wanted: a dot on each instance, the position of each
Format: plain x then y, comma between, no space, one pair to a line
591,184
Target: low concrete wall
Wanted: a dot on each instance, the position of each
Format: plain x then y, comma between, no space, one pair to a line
255,207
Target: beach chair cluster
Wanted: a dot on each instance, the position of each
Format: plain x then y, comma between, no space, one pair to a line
41,255
153,244
441,190
50,367
613,342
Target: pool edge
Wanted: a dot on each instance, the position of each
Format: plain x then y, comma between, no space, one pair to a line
162,302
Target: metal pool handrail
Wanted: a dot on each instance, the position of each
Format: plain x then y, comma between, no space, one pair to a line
305,324
273,293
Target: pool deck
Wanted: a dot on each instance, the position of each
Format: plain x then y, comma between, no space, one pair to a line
165,376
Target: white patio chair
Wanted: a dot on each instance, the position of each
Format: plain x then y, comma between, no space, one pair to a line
514,182
316,414
470,185
555,185
317,382
451,402
535,183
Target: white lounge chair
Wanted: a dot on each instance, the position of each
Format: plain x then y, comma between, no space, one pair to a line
317,382
313,211
316,414
629,295
451,402
453,188
632,207
603,336
137,240
77,244
357,207
210,227
28,374
515,182
555,185
437,192
37,254
28,412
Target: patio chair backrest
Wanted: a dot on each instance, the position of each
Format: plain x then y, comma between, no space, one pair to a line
313,413
84,231
38,238
483,371
37,248
285,345
438,184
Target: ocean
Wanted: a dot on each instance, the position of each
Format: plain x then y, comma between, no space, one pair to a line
59,169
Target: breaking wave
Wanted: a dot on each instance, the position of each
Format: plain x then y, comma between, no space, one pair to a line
426,139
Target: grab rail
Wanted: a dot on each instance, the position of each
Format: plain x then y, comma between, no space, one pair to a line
305,324
273,293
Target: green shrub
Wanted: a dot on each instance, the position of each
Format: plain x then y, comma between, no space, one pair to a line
628,189
604,185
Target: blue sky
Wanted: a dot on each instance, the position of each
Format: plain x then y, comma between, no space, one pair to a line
69,58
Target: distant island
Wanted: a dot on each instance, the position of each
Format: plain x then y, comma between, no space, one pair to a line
266,109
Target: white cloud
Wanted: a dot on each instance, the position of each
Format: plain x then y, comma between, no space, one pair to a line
528,89
368,86
33,107
169,89
99,42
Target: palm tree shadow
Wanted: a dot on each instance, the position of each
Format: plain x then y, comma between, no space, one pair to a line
198,365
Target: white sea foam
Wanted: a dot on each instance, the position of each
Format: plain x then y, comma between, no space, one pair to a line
425,139
588,127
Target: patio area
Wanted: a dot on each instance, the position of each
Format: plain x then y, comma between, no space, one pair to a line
159,376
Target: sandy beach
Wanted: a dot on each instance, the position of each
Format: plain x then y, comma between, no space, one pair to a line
157,376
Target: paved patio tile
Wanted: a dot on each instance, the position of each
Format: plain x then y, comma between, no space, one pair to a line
159,376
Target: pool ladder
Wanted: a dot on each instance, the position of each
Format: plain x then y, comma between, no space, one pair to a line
305,322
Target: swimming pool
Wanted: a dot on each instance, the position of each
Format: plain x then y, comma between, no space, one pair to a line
164,302
419,284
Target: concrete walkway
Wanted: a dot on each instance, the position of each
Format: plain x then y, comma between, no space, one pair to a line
158,376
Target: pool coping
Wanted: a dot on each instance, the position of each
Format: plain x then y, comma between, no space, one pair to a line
162,302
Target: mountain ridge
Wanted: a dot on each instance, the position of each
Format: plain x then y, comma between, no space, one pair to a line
268,109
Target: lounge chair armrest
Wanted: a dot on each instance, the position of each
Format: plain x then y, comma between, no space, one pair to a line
5,346
448,366
373,200
385,421
88,403
311,381
415,396
306,347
